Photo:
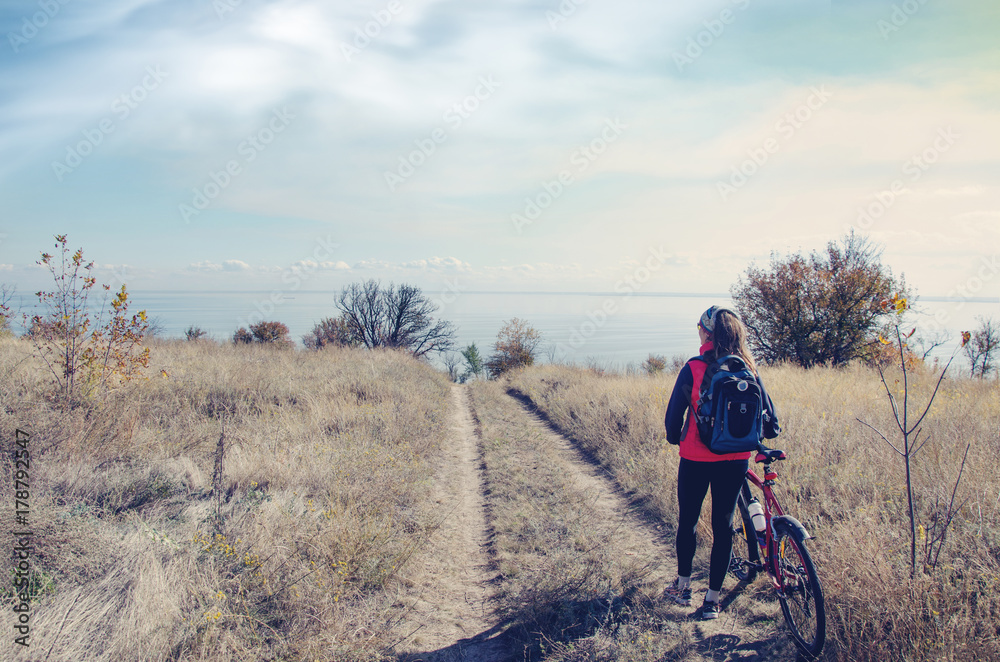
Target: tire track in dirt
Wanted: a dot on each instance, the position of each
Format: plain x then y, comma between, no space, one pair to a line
452,614
637,536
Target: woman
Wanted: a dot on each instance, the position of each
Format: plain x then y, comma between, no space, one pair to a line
721,333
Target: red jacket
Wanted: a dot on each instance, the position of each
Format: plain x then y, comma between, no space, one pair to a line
680,414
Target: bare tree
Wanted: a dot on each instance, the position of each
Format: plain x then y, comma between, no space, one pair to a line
929,342
909,443
451,364
401,318
982,346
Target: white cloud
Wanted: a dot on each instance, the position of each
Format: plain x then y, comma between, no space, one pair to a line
372,264
235,265
205,266
438,263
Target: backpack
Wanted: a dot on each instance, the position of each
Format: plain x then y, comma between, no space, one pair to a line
730,407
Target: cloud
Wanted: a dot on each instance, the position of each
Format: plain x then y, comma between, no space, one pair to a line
205,266
438,263
306,265
235,265
372,264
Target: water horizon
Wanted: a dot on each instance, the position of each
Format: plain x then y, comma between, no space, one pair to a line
614,329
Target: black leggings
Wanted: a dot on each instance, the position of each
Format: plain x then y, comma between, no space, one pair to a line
693,479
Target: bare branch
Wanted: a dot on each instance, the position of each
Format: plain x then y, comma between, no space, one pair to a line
879,433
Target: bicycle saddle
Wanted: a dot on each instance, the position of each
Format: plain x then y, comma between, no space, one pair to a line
769,455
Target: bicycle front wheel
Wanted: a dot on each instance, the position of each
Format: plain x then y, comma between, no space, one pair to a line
801,595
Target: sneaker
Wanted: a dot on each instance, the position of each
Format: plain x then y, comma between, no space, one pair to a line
709,611
681,596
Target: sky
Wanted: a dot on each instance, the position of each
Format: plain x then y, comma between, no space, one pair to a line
536,145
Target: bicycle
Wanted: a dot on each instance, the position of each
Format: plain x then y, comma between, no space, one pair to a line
780,551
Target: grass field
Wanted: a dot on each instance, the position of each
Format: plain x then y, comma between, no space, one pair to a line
251,503
846,485
145,550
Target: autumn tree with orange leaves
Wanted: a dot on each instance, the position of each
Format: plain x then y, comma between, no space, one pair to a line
86,350
818,309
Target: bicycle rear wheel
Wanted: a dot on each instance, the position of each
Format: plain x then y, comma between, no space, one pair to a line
745,560
801,595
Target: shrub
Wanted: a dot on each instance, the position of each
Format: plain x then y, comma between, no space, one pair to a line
85,353
263,333
819,309
654,364
242,337
515,347
194,333
332,331
271,333
677,361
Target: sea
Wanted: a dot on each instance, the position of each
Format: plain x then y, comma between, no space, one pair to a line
604,329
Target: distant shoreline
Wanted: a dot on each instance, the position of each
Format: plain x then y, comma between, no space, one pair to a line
694,295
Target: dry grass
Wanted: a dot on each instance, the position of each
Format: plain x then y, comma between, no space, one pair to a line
298,553
298,548
847,487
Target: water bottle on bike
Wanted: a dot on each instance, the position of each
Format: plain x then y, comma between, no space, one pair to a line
759,523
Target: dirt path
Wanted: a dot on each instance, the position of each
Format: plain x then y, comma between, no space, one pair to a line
451,615
636,536
452,612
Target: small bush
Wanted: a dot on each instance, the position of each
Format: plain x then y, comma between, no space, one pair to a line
677,361
242,337
274,333
194,333
264,333
654,364
515,347
85,353
330,332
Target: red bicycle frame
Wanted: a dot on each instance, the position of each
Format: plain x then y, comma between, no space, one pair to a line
771,509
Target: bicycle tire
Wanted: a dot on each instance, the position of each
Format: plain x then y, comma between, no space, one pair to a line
745,559
801,594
